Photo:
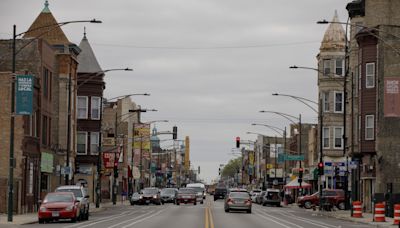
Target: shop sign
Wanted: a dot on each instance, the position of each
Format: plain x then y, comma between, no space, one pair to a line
46,162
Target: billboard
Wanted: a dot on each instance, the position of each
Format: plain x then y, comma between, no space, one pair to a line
109,159
141,135
24,95
392,97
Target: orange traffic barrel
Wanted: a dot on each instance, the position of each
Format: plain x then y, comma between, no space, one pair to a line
396,214
357,209
379,212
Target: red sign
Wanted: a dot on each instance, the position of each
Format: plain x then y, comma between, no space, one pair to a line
392,97
110,159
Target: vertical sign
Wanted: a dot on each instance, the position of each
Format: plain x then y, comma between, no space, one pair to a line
392,97
24,95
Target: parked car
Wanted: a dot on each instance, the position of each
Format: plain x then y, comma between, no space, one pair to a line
272,197
238,200
81,195
220,192
254,193
260,197
59,205
150,195
135,198
186,195
168,195
333,196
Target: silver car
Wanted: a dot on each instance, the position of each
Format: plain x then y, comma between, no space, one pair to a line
240,201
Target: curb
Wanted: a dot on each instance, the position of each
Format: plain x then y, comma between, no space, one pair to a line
349,219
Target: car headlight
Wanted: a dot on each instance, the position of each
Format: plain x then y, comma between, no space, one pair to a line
140,197
155,197
69,208
42,209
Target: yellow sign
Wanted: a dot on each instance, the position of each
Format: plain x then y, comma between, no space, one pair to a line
269,166
141,136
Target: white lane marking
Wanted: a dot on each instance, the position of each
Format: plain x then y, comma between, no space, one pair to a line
282,220
126,221
273,220
105,219
313,222
141,220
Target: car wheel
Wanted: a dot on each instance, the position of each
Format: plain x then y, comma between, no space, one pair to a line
195,203
41,221
201,202
341,206
249,211
177,203
131,203
307,205
264,204
74,219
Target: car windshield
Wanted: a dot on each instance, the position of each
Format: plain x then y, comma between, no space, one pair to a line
150,191
241,195
186,191
272,195
58,198
77,192
168,191
197,189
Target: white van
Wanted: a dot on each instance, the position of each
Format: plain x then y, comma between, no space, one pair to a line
200,189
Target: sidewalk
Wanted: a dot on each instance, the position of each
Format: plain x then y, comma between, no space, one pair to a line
30,218
366,219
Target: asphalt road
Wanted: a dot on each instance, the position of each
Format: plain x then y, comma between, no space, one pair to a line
209,215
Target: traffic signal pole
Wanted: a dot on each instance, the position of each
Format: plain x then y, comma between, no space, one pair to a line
321,119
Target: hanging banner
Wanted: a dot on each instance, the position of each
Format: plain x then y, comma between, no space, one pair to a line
141,136
24,95
392,97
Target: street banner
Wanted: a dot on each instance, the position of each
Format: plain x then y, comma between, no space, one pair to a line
141,135
24,95
281,158
46,162
392,97
136,157
109,159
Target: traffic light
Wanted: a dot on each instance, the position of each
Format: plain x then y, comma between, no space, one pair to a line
301,173
320,168
174,132
237,142
219,171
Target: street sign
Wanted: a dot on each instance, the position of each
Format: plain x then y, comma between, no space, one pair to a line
24,95
294,157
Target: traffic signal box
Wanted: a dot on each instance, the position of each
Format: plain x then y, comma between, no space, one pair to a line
174,132
320,168
300,175
237,142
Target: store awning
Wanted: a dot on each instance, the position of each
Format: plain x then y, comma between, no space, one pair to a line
294,184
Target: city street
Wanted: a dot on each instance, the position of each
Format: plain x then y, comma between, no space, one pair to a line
209,215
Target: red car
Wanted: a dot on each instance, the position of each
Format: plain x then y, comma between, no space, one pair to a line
186,195
334,196
59,205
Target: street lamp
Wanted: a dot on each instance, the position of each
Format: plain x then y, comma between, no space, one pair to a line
12,119
290,118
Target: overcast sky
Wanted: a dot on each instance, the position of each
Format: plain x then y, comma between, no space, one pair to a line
210,65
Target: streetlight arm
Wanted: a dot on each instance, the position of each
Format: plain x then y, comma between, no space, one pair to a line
128,95
284,115
270,127
95,74
300,99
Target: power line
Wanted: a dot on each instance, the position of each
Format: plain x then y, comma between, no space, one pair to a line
206,48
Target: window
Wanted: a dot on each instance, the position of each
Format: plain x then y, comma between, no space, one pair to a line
370,75
325,136
82,142
369,127
94,142
325,99
44,130
339,67
82,107
327,67
95,108
338,132
338,102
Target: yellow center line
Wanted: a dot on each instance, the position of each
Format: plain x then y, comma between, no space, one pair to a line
206,225
211,218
